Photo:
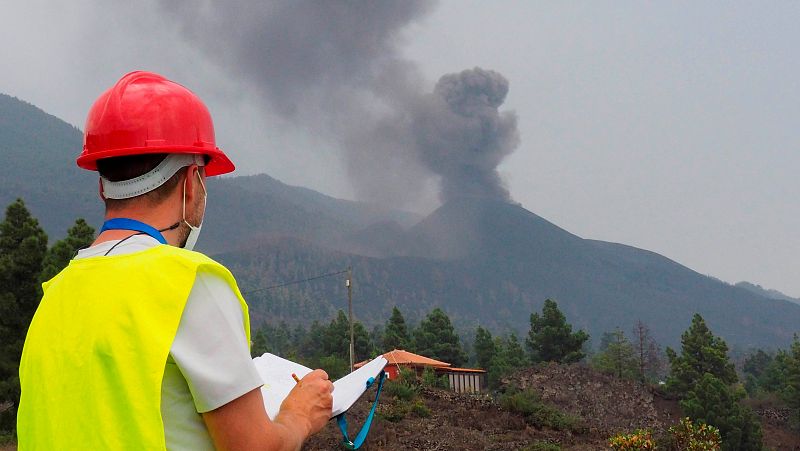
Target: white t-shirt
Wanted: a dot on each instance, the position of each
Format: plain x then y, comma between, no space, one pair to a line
209,362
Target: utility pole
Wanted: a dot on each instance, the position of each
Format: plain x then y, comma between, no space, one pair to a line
349,284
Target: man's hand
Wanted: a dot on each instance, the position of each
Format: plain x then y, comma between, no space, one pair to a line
309,403
243,424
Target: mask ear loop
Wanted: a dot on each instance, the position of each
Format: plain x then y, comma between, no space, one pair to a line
205,196
165,229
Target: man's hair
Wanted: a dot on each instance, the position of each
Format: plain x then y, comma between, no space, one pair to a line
118,169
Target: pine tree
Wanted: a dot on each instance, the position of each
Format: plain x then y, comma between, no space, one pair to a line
313,347
376,338
509,357
436,338
79,236
714,402
283,339
513,353
754,369
791,393
704,377
395,335
776,374
259,346
22,248
550,338
701,352
649,360
336,340
485,348
756,363
616,355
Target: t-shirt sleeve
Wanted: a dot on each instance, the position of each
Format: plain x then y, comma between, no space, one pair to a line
210,346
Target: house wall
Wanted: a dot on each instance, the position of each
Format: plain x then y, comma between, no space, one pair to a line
461,382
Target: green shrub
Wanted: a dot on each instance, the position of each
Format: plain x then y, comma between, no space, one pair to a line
8,439
408,376
420,409
636,441
401,390
335,366
394,412
542,446
430,379
537,413
687,436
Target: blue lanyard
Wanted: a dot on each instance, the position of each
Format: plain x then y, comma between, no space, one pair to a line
362,434
132,224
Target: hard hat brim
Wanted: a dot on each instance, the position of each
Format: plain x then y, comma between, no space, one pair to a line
219,163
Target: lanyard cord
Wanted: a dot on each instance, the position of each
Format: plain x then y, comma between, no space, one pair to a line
136,226
121,241
341,420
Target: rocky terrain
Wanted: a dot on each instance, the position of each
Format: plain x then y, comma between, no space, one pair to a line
600,404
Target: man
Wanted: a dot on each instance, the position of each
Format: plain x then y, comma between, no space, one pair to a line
141,343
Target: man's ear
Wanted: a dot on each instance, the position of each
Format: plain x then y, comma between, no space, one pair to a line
100,189
189,181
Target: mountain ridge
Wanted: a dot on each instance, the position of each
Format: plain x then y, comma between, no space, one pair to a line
484,262
766,292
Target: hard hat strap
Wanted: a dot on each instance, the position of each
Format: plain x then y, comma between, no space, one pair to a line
125,189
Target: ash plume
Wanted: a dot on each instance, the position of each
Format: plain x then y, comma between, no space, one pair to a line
334,67
462,136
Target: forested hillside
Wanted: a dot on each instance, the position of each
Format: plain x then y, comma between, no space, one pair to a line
38,152
488,263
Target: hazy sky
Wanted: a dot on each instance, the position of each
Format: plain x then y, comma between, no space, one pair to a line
670,126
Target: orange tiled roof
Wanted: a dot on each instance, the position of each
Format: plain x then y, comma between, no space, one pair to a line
463,370
403,357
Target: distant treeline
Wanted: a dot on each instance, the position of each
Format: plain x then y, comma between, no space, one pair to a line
701,375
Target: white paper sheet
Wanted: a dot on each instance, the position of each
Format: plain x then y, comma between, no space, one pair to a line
276,372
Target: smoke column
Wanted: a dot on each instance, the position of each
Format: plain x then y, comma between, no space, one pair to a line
334,68
462,136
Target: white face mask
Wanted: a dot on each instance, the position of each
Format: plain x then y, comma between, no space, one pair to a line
194,232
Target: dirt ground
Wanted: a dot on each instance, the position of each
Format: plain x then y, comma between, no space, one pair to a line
449,421
455,423
466,422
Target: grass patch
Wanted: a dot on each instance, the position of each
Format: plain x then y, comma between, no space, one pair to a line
542,446
7,438
395,412
401,390
537,413
420,409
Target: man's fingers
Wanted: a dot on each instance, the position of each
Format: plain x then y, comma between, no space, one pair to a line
325,387
317,374
322,374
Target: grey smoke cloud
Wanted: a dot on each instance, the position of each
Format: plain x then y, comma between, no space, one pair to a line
463,137
335,69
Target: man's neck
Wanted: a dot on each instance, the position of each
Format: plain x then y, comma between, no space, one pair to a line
155,218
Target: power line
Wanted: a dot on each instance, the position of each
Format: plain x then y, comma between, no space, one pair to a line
321,276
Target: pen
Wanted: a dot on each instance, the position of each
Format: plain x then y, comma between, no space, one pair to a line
296,379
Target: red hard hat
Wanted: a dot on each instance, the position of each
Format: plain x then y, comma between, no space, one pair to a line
146,113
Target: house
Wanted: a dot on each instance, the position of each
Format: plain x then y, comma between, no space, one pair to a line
461,380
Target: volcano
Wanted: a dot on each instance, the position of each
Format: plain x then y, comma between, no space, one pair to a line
514,259
484,262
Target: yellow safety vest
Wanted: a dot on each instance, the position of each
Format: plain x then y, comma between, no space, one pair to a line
96,349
